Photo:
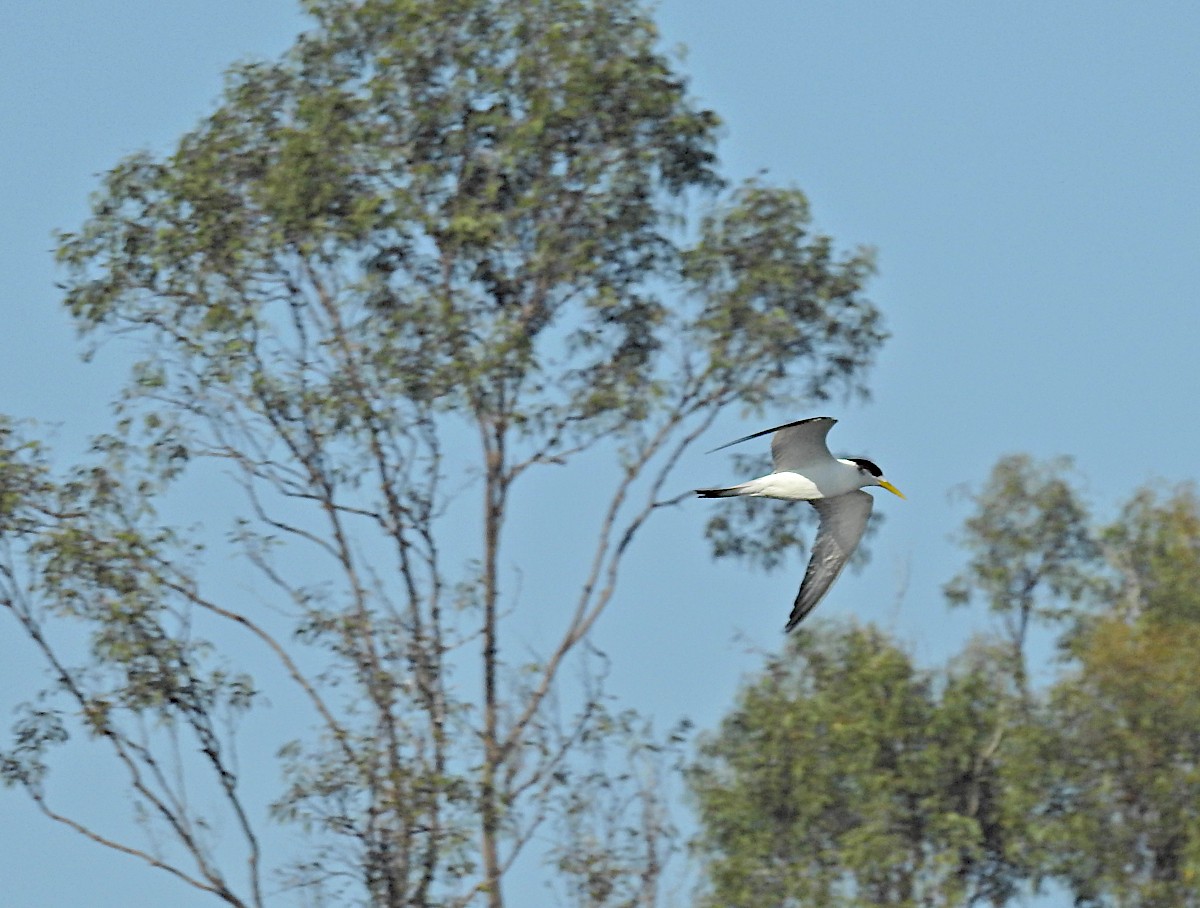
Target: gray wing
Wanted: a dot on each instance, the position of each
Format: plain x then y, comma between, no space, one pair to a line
796,444
843,520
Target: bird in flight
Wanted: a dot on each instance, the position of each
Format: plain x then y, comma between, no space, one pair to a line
804,470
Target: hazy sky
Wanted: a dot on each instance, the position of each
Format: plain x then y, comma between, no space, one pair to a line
1028,171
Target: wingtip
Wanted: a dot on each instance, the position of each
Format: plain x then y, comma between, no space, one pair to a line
793,623
786,425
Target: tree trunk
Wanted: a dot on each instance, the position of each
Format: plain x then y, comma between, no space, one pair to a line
489,812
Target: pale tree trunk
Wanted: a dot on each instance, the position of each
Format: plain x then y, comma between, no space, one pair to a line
494,494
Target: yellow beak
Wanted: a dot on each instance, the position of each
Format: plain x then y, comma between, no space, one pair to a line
891,488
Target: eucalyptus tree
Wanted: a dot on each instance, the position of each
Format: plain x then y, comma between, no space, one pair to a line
847,776
1107,801
435,249
1033,551
1122,802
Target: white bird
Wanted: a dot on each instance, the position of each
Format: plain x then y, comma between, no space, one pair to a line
804,470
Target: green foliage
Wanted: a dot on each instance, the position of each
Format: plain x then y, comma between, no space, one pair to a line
1125,795
1124,820
1033,553
1154,547
23,473
34,732
478,170
777,296
846,776
1029,531
608,846
458,186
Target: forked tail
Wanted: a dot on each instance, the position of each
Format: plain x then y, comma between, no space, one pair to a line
719,493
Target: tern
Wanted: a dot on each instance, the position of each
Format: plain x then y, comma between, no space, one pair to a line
804,470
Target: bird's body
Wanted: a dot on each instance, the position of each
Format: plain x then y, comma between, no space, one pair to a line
804,470
825,481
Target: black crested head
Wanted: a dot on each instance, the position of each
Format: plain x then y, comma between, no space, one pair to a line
866,465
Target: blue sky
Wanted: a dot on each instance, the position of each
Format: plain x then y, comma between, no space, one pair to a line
1029,173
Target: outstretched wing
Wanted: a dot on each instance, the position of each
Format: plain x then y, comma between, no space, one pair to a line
843,521
796,444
